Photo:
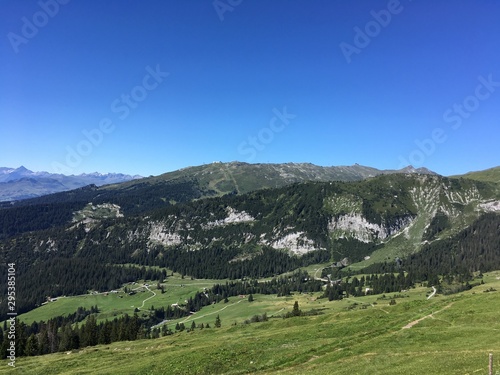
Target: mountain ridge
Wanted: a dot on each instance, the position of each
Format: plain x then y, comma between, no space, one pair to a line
21,183
488,175
26,184
242,177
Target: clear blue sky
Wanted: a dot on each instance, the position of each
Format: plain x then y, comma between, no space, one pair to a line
379,83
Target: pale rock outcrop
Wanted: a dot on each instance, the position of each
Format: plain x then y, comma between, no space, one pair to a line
297,243
492,206
233,217
357,227
160,233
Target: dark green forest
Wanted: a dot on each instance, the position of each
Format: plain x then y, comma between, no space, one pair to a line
476,248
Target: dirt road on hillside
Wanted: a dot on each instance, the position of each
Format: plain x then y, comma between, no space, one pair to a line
415,322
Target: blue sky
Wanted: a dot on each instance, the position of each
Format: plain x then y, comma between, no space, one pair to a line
150,87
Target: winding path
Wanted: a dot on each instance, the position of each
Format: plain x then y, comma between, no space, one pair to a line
143,302
214,312
434,290
409,325
320,278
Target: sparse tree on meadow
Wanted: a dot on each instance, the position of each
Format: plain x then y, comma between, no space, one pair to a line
296,311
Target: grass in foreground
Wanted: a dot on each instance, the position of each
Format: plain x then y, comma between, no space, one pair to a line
454,340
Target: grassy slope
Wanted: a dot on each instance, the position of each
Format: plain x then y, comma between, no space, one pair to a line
111,305
456,340
488,175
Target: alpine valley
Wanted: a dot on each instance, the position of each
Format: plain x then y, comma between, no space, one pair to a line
333,232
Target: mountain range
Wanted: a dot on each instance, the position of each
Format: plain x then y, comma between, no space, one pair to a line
21,183
233,220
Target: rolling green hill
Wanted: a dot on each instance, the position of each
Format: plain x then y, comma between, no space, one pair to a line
488,175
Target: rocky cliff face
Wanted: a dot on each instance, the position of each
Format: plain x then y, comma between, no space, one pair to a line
355,226
297,243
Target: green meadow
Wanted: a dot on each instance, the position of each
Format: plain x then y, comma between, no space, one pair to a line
450,335
116,304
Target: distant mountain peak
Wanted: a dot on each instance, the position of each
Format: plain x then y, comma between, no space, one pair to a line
412,169
22,183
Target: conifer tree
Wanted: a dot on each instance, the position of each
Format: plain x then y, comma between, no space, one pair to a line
296,311
32,345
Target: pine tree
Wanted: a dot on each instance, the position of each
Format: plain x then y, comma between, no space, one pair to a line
104,333
296,311
164,330
89,332
43,341
21,337
3,349
32,345
217,322
66,336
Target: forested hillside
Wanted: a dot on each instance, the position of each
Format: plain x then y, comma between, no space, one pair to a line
258,234
142,195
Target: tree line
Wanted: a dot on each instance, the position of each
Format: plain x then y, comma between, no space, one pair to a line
476,248
372,284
